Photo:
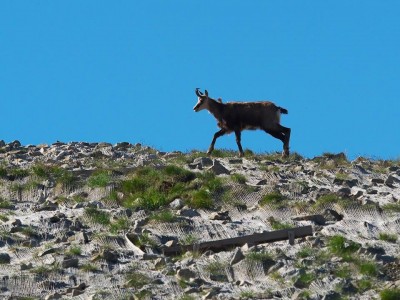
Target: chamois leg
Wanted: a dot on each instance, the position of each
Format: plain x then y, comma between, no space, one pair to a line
216,135
238,138
286,131
280,134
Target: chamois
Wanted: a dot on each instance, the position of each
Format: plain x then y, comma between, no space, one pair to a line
238,116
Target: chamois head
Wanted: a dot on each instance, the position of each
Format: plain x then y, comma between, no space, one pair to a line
202,100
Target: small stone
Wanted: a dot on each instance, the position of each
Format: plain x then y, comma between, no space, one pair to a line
48,251
218,168
176,204
343,192
82,237
70,263
191,290
26,267
377,180
211,294
358,194
332,215
186,274
16,222
391,180
235,161
222,216
203,162
110,256
15,144
160,262
317,219
188,212
150,256
171,243
237,256
5,258
262,182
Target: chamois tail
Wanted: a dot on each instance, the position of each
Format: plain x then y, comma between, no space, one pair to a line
283,110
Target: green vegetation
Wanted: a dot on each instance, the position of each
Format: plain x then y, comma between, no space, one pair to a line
100,178
4,204
187,297
390,294
238,178
145,240
364,284
392,207
388,237
217,271
18,173
120,224
211,182
305,279
188,239
88,267
342,176
368,268
58,174
42,171
163,216
136,280
262,257
329,199
97,216
344,271
330,161
201,199
74,251
259,256
3,172
29,231
305,252
273,199
45,271
151,189
247,295
3,218
278,225
222,153
64,177
341,246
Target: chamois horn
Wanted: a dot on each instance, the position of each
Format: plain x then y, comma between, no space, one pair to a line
198,93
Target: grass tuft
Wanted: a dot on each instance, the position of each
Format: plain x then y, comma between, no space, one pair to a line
390,294
274,199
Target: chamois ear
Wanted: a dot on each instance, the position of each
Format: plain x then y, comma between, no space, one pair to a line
206,93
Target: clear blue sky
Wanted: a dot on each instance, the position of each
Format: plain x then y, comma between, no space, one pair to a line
126,71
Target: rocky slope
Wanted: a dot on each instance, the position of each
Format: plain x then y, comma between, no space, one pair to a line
91,220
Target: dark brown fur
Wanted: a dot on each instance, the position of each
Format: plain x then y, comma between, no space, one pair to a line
238,116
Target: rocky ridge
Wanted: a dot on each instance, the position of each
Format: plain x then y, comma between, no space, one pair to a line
90,220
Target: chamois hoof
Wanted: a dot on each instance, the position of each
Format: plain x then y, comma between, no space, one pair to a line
285,153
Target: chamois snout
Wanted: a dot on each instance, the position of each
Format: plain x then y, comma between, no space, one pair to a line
199,105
